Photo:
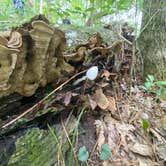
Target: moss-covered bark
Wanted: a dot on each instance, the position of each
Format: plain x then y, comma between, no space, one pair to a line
34,146
152,40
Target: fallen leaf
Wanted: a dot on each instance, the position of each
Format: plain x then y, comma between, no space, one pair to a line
101,99
100,132
156,135
67,97
112,104
142,162
92,103
100,140
142,149
106,74
104,84
161,151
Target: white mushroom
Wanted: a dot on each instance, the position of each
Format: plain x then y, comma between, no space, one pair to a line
91,74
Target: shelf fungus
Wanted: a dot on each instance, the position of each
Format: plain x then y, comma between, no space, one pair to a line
31,57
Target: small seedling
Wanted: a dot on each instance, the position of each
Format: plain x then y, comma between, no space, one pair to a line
83,154
156,87
105,152
148,83
145,124
71,155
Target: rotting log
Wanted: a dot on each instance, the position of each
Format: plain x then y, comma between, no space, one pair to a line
31,57
34,146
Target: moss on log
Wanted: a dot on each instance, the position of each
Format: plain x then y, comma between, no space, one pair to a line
34,146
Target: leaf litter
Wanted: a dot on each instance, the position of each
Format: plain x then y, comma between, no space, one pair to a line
119,103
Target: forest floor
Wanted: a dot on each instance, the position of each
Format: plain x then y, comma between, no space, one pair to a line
120,123
131,121
119,113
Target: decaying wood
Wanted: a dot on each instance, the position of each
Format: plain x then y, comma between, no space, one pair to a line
31,57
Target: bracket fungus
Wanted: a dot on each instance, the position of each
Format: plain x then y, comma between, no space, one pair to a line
31,57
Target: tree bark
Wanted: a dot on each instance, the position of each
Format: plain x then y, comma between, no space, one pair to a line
152,39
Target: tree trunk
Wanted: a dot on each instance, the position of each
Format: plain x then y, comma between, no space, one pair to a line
152,40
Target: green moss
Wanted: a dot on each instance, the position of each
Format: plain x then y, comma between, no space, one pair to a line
37,147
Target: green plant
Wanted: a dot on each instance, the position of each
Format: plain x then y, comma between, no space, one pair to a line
71,155
72,158
83,154
105,152
155,86
77,10
52,131
145,124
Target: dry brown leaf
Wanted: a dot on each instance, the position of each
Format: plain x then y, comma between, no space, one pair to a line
101,99
112,137
161,151
104,84
67,98
92,103
142,149
100,132
112,104
106,74
100,140
156,135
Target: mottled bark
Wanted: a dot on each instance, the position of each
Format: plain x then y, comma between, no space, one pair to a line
152,40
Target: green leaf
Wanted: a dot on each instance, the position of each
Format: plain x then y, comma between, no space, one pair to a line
84,15
90,9
162,93
77,8
160,83
157,92
92,1
145,124
143,87
150,78
83,154
60,14
148,85
105,152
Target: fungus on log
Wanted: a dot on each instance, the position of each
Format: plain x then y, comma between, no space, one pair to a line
31,57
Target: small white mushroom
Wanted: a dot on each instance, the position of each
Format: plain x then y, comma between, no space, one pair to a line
91,74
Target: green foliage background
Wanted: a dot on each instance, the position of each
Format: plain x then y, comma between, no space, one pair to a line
77,10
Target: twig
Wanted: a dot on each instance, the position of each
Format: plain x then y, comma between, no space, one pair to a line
70,55
127,41
42,100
